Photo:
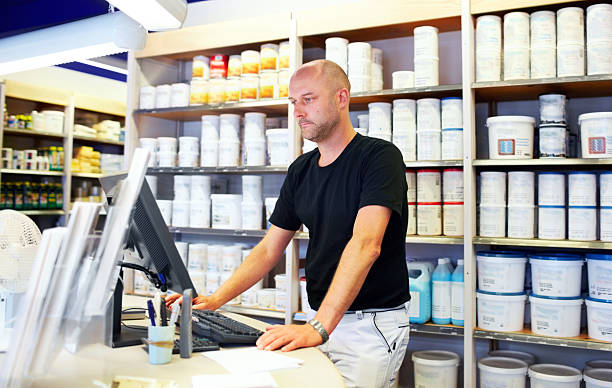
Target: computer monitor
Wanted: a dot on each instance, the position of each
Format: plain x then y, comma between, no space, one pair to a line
150,236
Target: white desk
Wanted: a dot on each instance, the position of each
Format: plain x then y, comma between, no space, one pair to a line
99,362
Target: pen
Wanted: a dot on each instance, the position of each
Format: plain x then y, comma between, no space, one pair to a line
176,307
151,312
163,312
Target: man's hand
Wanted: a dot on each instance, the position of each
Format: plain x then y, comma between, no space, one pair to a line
290,337
200,302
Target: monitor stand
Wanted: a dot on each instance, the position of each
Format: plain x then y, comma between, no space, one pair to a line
122,335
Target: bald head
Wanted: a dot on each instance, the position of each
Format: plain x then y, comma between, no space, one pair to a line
329,73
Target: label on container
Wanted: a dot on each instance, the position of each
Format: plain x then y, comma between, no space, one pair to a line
457,301
597,145
441,300
546,319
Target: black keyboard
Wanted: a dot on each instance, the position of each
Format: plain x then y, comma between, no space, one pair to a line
221,329
198,345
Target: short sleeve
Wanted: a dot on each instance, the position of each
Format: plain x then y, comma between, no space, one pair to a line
284,215
384,179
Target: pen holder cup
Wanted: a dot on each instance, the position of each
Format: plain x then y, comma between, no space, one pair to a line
161,341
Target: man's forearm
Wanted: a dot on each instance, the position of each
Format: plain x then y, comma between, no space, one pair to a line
355,263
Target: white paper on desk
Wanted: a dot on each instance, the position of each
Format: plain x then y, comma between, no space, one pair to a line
251,380
252,360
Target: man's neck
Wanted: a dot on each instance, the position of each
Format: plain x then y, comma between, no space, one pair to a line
333,146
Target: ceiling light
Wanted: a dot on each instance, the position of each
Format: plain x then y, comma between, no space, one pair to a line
154,15
98,36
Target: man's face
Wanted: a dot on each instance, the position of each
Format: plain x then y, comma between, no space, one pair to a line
315,106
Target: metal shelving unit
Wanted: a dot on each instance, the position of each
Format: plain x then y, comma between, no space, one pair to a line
42,212
32,133
535,242
31,172
86,175
581,342
547,162
410,239
242,170
94,140
217,232
434,163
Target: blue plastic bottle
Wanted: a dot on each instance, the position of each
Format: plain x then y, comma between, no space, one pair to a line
420,291
457,295
441,294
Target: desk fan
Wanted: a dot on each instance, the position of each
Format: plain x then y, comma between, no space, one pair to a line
19,240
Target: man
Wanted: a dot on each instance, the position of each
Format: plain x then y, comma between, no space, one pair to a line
351,194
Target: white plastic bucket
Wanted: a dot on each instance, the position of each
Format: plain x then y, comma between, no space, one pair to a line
429,220
252,188
188,159
425,41
179,95
605,223
54,121
500,311
210,127
147,97
489,32
552,140
359,51
435,368
543,29
406,141
543,62
166,159
254,125
488,64
599,22
453,220
598,378
200,214
521,221
428,114
182,187
180,213
198,256
502,372
516,63
379,114
557,275
570,60
599,316
551,189
452,185
493,188
162,96
599,57
210,153
511,137
229,126
189,144
226,211
582,189
551,222
167,144
200,188
492,220
528,358
426,71
412,219
336,51
551,375
429,186
429,145
229,152
501,271
452,144
599,269
452,112
520,188
165,207
255,151
582,223
596,134
403,79
555,316
570,25
404,115
278,146
597,364
516,29
412,186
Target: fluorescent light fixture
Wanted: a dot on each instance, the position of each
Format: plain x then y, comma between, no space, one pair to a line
105,66
98,36
154,15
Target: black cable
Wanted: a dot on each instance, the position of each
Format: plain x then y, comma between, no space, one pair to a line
134,309
134,327
153,277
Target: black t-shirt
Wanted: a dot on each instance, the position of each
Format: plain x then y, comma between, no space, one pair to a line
326,199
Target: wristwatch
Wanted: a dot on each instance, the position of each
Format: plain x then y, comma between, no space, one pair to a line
320,329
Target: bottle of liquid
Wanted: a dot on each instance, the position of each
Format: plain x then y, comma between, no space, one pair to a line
420,292
457,295
441,294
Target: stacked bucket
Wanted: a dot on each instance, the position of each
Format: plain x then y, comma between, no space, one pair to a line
551,206
521,209
492,208
516,45
429,202
543,45
452,128
488,48
379,120
599,39
360,66
426,58
428,129
582,201
570,42
452,197
404,127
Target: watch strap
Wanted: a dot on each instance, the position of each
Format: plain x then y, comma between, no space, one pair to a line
320,329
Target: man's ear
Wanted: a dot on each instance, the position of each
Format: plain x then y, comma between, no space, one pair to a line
343,98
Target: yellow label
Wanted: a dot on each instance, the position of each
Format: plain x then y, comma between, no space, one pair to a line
283,91
198,70
249,93
283,62
216,97
268,63
232,96
266,91
233,71
250,68
198,98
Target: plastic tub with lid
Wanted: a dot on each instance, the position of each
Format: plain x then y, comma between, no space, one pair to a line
596,134
599,316
599,267
555,316
556,274
501,311
435,368
554,376
598,378
501,271
523,356
502,372
511,137
598,364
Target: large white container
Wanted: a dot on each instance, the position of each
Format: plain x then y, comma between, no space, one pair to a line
429,220
435,368
199,214
599,23
54,121
488,32
516,29
429,186
426,71
189,144
521,221
582,223
403,79
502,372
252,188
425,42
528,358
605,223
210,127
167,144
452,185
598,378
543,29
428,114
198,256
406,142
501,271
599,316
254,125
570,26
557,275
229,126
162,96
452,220
553,108
404,115
493,188
182,187
600,275
596,134
570,60
278,146
492,220
551,375
582,189
226,211
180,213
209,157
551,222
252,215
543,62
166,159
551,189
179,94
452,112
488,64
147,97
255,151
501,311
200,188
552,140
359,51
452,144
516,63
599,57
229,152
521,188
555,316
511,137
429,145
379,114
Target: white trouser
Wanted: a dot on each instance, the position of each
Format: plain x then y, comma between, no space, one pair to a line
368,347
